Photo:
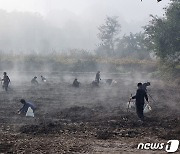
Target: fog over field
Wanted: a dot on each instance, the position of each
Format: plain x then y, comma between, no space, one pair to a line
89,76
47,25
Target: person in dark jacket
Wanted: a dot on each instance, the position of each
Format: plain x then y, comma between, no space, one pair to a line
76,83
25,107
140,96
97,79
6,81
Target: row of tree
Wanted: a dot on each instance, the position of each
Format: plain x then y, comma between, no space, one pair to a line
111,44
161,37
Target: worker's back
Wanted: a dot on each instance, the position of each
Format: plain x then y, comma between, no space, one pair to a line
27,105
140,96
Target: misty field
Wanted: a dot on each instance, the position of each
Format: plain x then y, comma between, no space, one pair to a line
86,119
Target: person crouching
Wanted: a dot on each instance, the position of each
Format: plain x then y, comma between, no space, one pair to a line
26,106
76,83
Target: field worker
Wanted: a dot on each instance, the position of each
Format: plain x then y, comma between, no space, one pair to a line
6,81
43,79
76,83
25,107
140,95
145,85
97,77
34,81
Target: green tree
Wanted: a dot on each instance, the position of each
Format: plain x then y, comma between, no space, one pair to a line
133,45
163,35
108,35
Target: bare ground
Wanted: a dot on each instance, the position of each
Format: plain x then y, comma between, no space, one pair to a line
86,119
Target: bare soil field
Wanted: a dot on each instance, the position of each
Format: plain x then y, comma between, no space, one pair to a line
86,119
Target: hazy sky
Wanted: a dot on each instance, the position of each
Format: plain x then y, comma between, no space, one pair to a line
79,19
129,9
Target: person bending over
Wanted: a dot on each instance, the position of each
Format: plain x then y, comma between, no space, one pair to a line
25,107
76,83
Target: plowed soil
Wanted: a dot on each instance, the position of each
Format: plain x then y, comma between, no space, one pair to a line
86,119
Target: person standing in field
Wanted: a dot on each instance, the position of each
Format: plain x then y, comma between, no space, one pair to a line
6,81
140,96
97,78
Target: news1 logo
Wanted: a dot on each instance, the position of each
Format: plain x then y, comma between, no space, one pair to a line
170,146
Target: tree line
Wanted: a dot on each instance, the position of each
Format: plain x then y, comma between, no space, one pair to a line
161,37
